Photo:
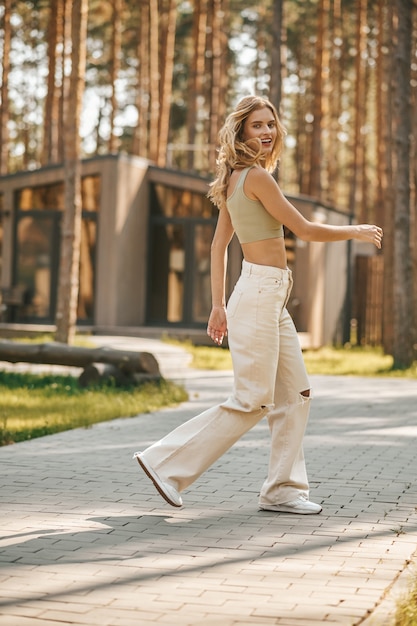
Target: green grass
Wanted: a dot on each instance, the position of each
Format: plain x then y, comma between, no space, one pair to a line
79,340
354,361
325,361
33,406
406,610
209,358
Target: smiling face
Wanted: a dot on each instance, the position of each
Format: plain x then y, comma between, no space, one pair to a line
261,124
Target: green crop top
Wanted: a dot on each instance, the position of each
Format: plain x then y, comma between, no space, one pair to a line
250,219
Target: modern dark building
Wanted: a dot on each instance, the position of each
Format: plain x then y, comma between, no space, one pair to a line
145,253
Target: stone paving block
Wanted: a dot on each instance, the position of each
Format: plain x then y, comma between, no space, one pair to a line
198,618
313,613
24,612
105,617
229,609
229,622
291,621
136,618
19,620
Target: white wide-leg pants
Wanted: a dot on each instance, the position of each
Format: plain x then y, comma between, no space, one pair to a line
269,380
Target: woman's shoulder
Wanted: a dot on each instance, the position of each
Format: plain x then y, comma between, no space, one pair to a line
259,183
258,176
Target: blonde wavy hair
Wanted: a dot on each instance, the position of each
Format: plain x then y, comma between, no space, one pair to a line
235,153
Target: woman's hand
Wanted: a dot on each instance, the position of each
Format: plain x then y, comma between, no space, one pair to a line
370,234
217,324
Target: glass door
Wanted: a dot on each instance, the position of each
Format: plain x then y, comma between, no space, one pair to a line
179,272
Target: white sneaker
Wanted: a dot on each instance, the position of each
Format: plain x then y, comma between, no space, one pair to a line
300,505
167,491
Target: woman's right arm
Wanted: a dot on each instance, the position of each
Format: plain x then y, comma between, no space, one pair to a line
217,324
265,189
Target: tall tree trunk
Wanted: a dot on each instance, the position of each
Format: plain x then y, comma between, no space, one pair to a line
154,79
100,116
381,115
366,192
65,79
384,193
260,47
301,145
66,317
216,66
413,230
224,72
403,300
141,134
355,204
51,114
4,93
169,16
334,93
320,68
116,51
277,53
195,94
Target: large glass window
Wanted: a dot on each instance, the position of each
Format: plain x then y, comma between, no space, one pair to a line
172,202
38,215
90,193
45,197
51,197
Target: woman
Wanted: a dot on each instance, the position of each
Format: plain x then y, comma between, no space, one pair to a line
269,373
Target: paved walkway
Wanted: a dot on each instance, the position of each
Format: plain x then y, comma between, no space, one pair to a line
87,540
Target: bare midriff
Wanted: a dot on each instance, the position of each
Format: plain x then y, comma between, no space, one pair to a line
266,252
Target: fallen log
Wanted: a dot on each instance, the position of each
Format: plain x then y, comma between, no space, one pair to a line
97,373
126,364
